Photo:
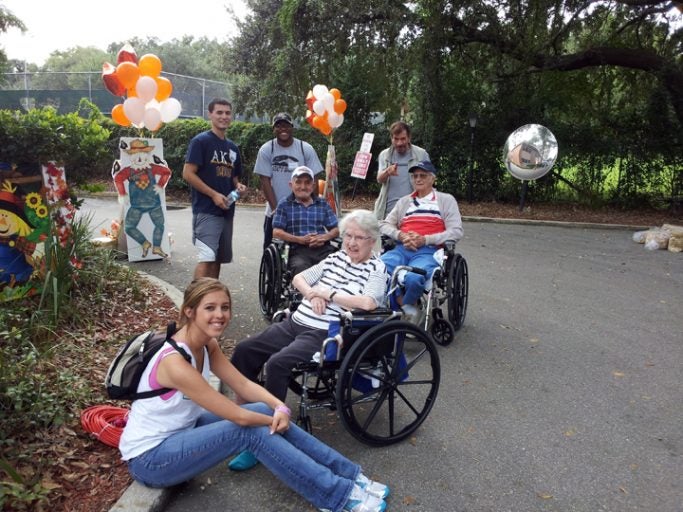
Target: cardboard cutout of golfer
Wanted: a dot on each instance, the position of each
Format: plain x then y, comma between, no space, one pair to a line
140,177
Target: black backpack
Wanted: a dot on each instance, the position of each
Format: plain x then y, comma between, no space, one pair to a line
125,371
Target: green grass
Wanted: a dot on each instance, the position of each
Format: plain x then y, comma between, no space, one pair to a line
93,188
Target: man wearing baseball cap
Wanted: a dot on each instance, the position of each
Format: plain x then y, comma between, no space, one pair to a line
306,221
420,223
275,162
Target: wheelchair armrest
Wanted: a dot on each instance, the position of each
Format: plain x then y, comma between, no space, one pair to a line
450,246
347,317
374,312
278,243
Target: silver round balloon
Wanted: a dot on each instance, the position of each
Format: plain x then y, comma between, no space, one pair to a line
530,152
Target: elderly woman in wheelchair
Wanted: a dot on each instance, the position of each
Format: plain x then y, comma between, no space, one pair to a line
350,279
422,225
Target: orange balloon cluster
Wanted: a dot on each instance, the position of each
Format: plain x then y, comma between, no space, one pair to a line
148,101
325,109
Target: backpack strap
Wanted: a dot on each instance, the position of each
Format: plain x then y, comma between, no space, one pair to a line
170,331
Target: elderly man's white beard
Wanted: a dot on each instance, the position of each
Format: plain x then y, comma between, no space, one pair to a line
140,163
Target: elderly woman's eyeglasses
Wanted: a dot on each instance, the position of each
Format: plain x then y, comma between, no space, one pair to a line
355,238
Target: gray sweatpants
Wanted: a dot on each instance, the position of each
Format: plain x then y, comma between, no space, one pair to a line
280,347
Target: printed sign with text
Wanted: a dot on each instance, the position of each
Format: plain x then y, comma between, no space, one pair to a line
362,161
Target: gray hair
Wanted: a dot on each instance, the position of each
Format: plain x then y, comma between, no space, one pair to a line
365,220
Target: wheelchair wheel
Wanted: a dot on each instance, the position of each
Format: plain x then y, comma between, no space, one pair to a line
388,383
442,331
458,286
270,282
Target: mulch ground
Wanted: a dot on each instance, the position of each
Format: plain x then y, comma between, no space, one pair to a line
82,473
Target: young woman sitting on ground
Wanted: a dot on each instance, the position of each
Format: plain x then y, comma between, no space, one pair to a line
174,437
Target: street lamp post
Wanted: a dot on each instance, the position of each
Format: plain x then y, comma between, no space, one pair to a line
470,184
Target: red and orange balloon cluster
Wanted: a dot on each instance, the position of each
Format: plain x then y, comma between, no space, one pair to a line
325,109
148,101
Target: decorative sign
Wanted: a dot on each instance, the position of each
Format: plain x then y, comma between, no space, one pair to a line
140,177
361,164
366,145
363,157
25,225
57,195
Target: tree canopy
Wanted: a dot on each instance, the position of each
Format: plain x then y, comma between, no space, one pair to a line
605,76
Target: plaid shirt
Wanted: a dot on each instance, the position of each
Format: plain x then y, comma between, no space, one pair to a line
300,220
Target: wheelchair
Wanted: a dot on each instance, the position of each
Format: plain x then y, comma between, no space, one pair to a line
275,291
379,372
448,286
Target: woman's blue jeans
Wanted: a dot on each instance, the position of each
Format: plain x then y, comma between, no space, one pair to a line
308,466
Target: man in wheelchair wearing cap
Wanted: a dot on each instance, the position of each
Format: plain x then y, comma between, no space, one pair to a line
306,222
420,223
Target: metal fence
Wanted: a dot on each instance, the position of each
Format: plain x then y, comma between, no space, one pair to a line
63,91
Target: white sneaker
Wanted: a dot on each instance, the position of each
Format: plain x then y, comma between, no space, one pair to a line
361,501
372,487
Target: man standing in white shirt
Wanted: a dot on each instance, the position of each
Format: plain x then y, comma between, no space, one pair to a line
275,162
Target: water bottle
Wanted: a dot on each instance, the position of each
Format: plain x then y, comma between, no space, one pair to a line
232,197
